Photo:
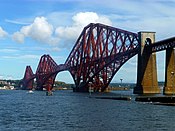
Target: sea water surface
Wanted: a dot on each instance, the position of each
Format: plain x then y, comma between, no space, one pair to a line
70,111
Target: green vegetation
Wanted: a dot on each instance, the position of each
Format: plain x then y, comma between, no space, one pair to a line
58,85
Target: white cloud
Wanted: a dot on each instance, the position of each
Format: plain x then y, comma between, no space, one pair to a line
158,16
63,36
6,77
54,49
16,22
60,18
40,30
27,57
84,18
3,33
70,33
30,57
8,50
18,37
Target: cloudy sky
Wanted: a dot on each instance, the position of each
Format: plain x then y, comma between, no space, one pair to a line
31,28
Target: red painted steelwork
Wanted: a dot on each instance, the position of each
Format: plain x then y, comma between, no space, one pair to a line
98,54
46,66
28,80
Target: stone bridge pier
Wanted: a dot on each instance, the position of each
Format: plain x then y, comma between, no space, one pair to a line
169,88
147,70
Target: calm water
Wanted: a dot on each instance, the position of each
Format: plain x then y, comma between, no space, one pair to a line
68,111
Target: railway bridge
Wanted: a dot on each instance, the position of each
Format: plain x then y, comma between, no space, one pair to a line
99,52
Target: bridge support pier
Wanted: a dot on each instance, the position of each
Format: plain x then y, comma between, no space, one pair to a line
81,88
169,88
147,71
49,91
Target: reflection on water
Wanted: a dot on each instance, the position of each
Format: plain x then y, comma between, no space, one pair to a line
69,111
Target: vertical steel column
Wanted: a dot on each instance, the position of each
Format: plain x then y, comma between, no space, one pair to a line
147,70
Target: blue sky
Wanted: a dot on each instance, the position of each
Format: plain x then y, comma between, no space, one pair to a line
31,28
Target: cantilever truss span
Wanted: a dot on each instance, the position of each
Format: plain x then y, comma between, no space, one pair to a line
98,54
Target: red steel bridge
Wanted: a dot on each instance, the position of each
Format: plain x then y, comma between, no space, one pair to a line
97,55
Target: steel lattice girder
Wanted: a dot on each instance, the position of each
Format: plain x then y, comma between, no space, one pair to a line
46,66
28,80
98,54
162,45
92,57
